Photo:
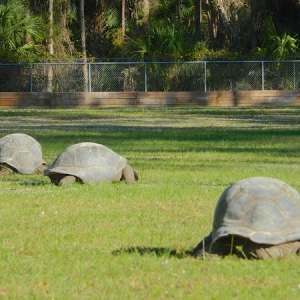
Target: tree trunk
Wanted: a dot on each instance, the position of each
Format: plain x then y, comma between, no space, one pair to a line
212,18
254,17
198,17
50,48
146,11
123,19
83,47
223,21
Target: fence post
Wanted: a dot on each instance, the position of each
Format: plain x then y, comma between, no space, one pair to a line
145,76
30,79
89,78
294,75
262,76
205,77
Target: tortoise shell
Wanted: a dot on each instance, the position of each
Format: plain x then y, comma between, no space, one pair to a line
90,162
22,152
263,209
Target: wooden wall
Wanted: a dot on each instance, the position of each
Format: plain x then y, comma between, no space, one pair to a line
147,99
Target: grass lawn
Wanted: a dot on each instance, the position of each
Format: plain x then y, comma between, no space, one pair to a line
118,241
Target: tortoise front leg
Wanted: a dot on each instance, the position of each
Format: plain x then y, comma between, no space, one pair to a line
129,175
62,179
68,179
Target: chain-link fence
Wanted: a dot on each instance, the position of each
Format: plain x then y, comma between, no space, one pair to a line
150,76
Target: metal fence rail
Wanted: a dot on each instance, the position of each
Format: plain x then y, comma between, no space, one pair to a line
150,76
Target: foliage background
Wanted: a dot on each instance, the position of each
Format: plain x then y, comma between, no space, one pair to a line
32,30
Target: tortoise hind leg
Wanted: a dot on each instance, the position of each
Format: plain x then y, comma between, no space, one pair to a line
129,175
6,169
117,178
277,251
40,169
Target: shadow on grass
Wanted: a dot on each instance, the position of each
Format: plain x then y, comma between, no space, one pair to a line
35,182
26,179
154,251
174,140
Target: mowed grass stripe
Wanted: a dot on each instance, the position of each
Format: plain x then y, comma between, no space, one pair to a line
118,241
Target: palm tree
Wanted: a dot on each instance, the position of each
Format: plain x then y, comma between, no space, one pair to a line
19,31
278,46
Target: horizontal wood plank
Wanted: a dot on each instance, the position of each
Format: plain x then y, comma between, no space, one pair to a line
147,99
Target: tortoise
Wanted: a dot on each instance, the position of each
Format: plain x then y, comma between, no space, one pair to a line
89,162
257,218
20,153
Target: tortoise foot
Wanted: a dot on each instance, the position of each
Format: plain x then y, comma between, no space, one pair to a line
68,179
6,169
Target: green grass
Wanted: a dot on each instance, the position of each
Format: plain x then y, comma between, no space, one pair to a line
118,241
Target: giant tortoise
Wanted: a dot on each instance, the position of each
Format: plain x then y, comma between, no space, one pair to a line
258,217
20,153
89,162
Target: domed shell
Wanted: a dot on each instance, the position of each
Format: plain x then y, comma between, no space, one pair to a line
91,162
265,210
21,152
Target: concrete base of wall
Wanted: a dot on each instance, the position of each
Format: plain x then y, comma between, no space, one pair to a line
147,99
